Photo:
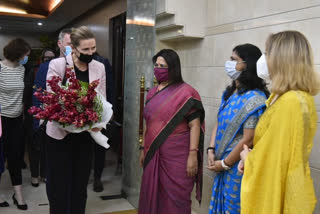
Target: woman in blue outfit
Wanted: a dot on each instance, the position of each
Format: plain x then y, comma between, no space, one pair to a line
243,102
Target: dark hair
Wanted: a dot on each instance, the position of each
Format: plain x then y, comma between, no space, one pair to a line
174,66
248,79
45,50
16,49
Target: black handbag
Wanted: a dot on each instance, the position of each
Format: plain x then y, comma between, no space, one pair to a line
112,132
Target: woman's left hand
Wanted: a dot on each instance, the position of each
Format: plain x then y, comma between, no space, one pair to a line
217,166
96,129
192,164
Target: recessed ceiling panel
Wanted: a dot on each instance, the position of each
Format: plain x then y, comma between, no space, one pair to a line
29,8
53,14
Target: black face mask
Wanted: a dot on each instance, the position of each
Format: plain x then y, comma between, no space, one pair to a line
85,58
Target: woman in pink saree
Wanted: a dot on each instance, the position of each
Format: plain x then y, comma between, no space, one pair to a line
171,154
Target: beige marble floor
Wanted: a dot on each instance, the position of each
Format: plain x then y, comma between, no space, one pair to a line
38,203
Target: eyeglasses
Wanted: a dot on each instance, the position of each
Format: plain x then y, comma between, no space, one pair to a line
156,65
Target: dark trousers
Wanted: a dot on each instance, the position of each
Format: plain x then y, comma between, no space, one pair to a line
68,170
36,149
37,159
13,145
99,158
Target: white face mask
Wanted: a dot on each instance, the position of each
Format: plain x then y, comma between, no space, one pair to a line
230,68
262,68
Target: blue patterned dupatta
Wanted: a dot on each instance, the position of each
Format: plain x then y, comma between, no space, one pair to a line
233,114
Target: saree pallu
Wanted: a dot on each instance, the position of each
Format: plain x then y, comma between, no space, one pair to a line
165,187
238,112
277,176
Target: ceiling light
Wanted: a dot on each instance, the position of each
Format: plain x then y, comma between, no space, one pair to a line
141,21
12,10
40,23
54,4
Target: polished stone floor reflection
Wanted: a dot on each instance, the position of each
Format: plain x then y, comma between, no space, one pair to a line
37,201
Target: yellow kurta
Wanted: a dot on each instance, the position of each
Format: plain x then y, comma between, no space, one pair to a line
277,174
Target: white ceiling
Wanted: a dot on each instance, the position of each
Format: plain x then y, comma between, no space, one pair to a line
67,12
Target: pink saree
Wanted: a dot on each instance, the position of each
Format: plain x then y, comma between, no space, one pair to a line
165,187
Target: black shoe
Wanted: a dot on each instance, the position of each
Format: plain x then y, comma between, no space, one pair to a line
35,184
97,185
4,204
20,207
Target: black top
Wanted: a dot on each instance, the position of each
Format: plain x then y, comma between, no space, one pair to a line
82,75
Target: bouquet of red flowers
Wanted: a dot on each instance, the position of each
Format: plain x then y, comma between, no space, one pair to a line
75,107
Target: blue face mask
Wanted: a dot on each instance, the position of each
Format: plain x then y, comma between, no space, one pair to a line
68,50
24,60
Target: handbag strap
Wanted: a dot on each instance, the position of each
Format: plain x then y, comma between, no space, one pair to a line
64,80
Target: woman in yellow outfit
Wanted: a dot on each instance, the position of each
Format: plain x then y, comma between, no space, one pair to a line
276,172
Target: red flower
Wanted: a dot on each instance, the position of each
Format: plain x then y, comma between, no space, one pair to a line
64,105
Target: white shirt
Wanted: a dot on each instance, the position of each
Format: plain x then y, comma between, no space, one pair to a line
11,90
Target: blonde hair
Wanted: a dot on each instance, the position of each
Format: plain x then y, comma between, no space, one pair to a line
80,33
290,62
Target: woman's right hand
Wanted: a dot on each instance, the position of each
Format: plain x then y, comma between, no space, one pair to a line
141,158
241,166
245,152
210,158
243,156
